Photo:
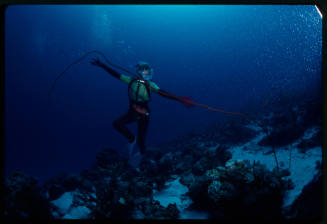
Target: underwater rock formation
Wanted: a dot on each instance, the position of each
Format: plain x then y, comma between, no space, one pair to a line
289,123
153,210
251,190
234,133
314,141
213,182
282,135
23,198
111,161
62,183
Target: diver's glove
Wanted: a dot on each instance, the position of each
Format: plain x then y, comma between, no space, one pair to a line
97,62
186,101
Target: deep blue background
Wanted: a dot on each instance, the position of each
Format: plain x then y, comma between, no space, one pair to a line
224,56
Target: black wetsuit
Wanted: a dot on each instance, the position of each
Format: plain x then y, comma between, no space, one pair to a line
131,116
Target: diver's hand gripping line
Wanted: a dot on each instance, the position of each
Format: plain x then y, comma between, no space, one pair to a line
80,59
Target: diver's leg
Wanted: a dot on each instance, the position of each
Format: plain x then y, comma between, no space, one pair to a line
143,124
120,125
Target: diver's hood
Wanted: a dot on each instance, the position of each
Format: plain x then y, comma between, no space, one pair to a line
141,66
148,77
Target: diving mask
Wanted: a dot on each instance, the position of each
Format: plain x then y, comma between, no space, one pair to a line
146,74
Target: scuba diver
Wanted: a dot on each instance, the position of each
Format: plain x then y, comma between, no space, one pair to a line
140,87
139,94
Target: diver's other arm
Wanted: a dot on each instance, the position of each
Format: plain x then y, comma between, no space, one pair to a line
97,62
167,95
184,100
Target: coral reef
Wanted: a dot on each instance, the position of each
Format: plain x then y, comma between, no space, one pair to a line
23,198
202,163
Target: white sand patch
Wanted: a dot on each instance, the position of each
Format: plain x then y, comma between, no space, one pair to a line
64,202
188,214
254,127
66,209
310,132
138,214
172,194
80,212
175,193
302,171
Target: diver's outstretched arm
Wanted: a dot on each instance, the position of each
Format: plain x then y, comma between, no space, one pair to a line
97,62
167,95
184,100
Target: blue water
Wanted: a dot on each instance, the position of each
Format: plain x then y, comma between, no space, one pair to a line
226,57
